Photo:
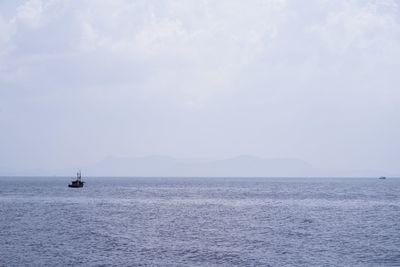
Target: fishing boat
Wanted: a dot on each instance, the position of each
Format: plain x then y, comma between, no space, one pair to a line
382,177
78,182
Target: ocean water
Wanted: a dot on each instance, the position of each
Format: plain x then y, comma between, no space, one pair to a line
199,222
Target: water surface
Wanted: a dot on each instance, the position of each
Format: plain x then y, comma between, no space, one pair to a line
199,222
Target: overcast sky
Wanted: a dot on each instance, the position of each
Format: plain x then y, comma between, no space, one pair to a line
317,80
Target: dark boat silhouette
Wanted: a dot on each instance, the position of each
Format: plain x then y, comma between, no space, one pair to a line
78,182
382,177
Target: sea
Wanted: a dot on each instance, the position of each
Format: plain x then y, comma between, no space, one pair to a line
115,221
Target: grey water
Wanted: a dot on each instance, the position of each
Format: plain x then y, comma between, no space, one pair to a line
200,222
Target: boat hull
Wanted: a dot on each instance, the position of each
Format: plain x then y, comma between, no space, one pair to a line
75,186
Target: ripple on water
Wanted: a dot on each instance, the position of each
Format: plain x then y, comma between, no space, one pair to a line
195,222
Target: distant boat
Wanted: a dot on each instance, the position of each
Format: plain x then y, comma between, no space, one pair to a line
78,182
382,177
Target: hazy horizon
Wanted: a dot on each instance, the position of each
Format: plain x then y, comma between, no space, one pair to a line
165,166
315,81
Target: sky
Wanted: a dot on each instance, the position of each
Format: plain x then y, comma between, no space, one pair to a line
315,80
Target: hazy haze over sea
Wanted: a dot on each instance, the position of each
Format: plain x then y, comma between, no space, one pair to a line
241,166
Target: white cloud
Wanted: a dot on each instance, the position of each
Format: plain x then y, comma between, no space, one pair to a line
31,14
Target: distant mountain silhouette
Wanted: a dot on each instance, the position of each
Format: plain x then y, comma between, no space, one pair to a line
164,166
241,166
